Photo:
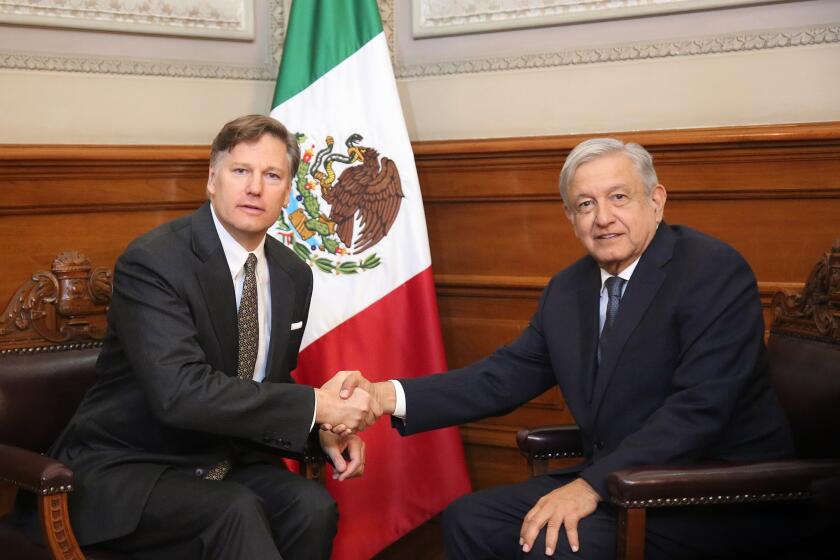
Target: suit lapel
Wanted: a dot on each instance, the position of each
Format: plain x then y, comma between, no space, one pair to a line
282,300
640,291
216,286
588,329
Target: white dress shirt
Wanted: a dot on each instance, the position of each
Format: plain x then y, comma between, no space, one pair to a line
236,256
605,297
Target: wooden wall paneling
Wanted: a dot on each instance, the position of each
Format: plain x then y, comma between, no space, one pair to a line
497,230
94,199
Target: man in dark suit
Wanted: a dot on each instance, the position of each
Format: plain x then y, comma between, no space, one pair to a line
203,330
656,341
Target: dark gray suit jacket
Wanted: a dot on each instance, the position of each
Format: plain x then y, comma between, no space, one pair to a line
166,394
684,379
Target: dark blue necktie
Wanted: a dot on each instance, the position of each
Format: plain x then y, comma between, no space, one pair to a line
614,284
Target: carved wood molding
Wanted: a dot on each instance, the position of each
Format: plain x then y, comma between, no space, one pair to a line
696,164
64,306
58,533
819,135
89,161
85,154
40,210
809,134
815,312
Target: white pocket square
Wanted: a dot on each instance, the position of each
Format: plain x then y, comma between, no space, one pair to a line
296,326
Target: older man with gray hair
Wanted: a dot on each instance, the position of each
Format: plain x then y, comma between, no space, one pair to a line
655,339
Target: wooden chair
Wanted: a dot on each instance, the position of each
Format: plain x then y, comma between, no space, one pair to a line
804,354
50,337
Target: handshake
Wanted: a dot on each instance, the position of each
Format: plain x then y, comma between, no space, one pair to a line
349,403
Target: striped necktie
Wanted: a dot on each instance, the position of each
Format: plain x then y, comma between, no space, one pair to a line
614,284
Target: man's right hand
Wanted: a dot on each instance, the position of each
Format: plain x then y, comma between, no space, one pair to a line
353,382
354,414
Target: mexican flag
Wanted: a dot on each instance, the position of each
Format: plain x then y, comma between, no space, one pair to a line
356,216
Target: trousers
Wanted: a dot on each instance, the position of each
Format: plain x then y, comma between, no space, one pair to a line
258,511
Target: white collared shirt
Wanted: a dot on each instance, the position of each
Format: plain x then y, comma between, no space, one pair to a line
236,256
625,274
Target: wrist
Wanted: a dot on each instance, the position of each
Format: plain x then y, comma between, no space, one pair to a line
588,487
386,395
322,406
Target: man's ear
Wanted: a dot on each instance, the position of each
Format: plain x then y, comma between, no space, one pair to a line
211,181
569,214
658,197
288,195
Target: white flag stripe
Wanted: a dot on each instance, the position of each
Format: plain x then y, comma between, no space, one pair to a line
360,96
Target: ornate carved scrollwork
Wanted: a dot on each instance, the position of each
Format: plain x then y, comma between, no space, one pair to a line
814,313
59,534
66,304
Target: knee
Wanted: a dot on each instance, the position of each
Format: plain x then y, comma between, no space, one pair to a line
459,515
318,510
243,506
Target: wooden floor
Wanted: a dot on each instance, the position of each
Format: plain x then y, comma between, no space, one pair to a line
423,543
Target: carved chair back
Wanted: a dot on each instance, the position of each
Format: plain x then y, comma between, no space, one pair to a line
804,353
50,336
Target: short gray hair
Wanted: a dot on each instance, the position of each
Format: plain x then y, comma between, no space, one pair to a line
594,148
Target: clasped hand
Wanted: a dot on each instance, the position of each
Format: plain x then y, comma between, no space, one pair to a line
345,415
351,387
349,412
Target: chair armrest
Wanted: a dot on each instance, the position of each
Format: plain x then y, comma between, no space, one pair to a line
718,484
550,442
34,472
52,481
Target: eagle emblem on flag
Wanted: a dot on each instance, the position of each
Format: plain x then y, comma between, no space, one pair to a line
343,203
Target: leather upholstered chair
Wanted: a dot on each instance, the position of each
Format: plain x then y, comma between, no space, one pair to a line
804,354
50,338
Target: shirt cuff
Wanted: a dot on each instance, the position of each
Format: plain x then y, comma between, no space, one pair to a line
399,406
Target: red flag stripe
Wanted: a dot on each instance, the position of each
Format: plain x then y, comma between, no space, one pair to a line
408,479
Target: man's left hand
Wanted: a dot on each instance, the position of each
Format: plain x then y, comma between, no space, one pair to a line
563,507
334,446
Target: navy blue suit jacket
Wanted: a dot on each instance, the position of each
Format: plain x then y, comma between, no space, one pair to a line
683,380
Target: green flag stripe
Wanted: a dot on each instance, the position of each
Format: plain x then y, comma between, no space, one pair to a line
322,33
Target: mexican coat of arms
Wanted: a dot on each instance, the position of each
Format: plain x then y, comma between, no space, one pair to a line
342,205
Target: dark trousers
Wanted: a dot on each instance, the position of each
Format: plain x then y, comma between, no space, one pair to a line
258,511
486,524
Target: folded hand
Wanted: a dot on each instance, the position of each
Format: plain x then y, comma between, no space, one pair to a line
335,446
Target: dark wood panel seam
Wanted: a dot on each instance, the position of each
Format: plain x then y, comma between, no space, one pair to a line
673,194
531,286
97,208
802,134
540,160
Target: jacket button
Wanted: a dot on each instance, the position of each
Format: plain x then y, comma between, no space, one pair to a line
599,444
199,472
